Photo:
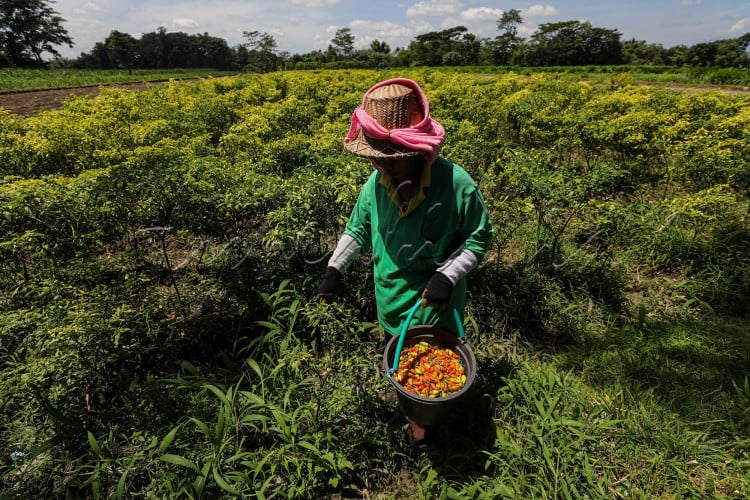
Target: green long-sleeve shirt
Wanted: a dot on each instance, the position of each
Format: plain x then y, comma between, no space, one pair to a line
408,245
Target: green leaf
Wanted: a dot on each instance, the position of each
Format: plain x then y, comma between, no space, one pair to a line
121,485
454,494
254,398
179,460
250,420
94,445
308,446
188,367
168,439
256,368
267,324
223,484
200,481
203,427
44,447
123,477
259,466
219,394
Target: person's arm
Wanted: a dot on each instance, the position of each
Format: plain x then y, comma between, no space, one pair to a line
343,255
356,237
459,265
440,285
479,228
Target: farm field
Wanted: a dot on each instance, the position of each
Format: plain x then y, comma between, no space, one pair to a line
161,251
26,92
25,79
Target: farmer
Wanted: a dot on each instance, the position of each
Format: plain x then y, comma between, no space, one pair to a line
423,217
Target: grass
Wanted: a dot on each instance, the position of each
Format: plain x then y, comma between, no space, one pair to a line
612,417
645,409
641,409
14,79
680,390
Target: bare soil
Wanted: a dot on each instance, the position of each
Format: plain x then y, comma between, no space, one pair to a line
29,102
694,87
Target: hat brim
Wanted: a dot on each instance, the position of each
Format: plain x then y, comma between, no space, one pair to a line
367,147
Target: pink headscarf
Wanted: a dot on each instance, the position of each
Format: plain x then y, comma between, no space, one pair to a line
427,135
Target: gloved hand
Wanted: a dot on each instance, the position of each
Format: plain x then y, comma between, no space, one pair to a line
438,290
330,284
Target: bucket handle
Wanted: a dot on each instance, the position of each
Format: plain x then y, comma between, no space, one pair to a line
402,336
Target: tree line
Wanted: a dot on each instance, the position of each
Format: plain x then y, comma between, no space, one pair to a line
31,28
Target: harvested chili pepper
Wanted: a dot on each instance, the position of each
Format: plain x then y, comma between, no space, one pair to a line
430,371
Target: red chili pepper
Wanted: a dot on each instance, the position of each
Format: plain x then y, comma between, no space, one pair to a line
430,371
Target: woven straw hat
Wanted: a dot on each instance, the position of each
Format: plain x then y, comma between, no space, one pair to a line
393,106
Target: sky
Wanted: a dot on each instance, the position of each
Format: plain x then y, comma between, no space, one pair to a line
302,26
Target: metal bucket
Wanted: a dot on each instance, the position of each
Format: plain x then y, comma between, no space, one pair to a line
429,411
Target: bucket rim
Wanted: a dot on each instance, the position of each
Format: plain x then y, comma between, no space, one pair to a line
465,352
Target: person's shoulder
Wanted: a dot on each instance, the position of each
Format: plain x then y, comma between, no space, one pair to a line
373,179
444,169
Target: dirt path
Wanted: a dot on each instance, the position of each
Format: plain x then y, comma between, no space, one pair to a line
696,87
29,102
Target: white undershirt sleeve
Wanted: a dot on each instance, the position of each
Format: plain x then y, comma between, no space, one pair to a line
459,264
344,254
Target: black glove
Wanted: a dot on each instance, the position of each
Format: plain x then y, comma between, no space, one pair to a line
438,290
330,283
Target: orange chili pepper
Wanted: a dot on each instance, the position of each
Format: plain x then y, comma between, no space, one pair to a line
429,370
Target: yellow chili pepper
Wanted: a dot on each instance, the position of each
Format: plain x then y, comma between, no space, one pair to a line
430,370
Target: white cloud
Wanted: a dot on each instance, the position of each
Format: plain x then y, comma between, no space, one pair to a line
184,22
450,22
90,7
384,29
396,35
226,22
434,8
692,2
421,27
740,26
526,30
315,3
539,11
482,14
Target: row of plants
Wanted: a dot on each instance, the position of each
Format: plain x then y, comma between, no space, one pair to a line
699,75
161,251
15,79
